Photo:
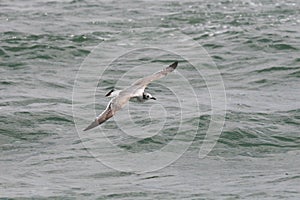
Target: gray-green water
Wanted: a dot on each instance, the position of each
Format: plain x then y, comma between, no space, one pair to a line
255,45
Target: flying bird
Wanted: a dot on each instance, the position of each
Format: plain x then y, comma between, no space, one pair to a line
135,91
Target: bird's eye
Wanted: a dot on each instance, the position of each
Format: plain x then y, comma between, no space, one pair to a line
147,96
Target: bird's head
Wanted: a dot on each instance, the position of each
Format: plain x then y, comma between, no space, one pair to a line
148,96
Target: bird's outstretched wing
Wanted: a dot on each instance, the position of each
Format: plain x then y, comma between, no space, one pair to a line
143,82
105,115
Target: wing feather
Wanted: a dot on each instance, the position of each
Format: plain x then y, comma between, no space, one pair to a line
160,74
104,116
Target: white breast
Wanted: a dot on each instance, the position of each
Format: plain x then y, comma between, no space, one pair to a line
138,93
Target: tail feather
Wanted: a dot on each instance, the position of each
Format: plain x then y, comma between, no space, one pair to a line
109,93
113,93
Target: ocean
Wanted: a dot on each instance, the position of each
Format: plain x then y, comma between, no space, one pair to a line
225,124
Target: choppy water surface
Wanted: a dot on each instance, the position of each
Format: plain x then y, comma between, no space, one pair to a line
255,45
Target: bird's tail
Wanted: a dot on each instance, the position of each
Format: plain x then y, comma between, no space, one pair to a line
92,125
113,93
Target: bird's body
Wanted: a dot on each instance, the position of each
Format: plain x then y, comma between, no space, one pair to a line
135,91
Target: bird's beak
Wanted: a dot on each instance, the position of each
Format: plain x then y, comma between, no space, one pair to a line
153,98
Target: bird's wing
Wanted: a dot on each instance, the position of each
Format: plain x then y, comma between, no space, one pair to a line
143,82
105,115
113,106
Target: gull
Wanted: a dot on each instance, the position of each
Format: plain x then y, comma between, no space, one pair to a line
134,91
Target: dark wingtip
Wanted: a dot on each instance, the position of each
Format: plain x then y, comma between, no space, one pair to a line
109,93
174,65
